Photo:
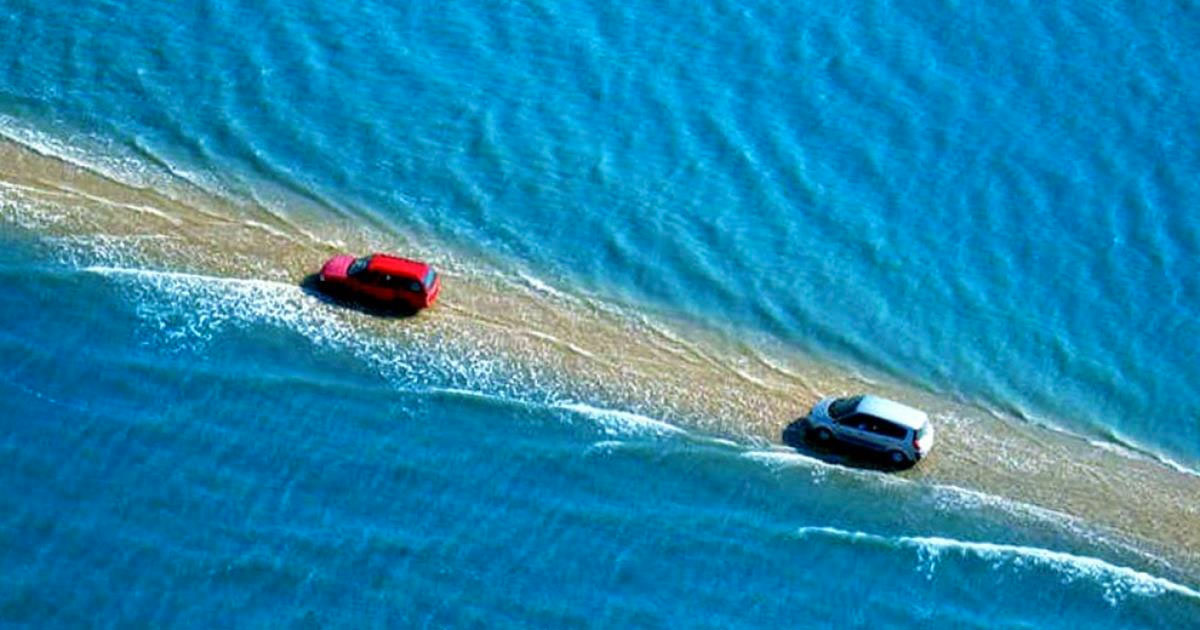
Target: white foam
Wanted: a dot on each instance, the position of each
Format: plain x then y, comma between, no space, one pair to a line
754,380
544,288
258,225
955,497
949,495
791,460
133,165
466,393
559,342
776,366
50,192
786,459
1116,581
197,307
487,397
1117,444
26,211
105,162
184,311
607,446
139,208
211,303
1131,450
159,277
617,422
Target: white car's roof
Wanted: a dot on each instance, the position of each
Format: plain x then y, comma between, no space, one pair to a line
892,410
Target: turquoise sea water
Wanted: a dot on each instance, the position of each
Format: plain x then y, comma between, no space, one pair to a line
985,204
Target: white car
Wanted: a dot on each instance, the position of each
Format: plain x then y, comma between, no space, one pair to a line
903,434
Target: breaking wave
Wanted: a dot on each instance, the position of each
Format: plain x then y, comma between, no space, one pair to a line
1116,582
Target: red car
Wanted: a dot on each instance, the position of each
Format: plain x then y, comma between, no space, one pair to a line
383,279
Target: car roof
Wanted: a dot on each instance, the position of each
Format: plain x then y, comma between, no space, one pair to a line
398,266
891,410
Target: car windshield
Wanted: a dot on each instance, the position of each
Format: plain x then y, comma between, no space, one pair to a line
429,278
843,407
358,266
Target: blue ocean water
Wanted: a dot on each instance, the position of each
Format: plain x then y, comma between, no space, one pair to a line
257,478
987,203
990,201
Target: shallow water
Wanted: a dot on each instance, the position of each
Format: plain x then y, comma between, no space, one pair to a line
255,472
665,232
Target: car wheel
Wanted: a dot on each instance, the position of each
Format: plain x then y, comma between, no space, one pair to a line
897,458
823,435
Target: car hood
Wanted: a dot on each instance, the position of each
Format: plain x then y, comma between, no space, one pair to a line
335,268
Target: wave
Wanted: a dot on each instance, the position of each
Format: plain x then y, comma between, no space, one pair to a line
183,276
948,498
185,311
1116,581
616,365
544,288
1125,447
617,422
128,164
1103,437
783,458
214,302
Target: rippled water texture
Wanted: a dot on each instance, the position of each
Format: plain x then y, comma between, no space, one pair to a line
666,230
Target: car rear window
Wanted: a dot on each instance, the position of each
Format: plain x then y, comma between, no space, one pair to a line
429,278
843,407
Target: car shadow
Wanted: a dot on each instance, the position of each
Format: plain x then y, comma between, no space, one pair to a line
837,453
311,284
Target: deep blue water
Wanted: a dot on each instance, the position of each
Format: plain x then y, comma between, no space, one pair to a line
992,203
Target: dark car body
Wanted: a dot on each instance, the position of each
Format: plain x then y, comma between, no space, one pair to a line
904,434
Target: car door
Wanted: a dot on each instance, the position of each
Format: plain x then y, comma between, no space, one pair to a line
371,284
889,435
388,284
877,433
853,429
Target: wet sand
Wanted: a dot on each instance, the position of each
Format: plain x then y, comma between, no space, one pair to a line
583,348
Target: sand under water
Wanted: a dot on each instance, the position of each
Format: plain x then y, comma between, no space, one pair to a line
224,257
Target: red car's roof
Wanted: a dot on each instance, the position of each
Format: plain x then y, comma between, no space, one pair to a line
397,266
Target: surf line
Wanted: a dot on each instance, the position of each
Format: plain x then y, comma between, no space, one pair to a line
1115,579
